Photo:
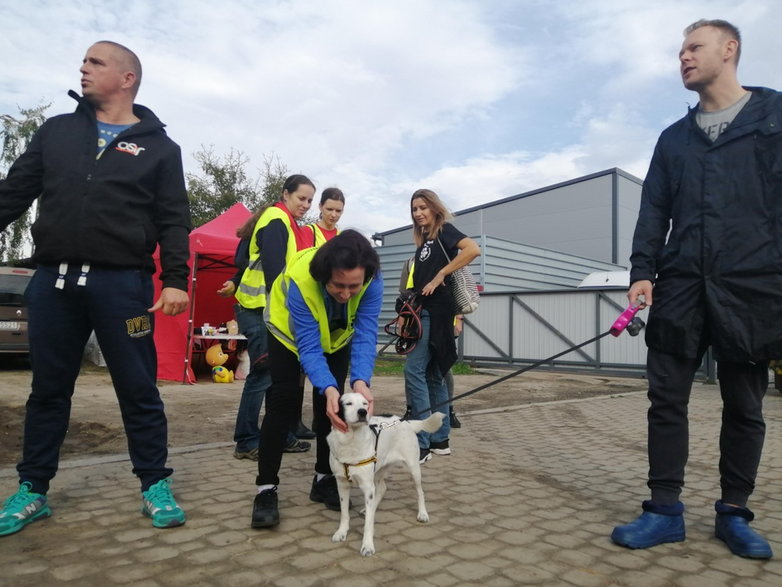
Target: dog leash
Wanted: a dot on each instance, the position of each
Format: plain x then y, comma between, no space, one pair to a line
627,320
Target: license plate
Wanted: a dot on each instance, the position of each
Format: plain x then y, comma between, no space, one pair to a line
9,325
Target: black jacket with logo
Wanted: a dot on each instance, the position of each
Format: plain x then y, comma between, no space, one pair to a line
111,211
718,274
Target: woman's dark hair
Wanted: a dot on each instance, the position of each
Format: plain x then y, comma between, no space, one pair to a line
246,229
291,184
332,194
347,250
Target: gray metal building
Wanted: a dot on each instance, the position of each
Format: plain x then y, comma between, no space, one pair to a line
590,217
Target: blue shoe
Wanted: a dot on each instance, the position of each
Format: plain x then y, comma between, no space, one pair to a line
732,527
160,505
652,527
22,508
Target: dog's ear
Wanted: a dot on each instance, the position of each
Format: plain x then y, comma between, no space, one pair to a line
341,412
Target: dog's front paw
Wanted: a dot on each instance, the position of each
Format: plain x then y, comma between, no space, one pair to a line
422,517
339,536
367,549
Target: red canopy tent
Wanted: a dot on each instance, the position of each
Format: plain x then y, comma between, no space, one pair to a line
212,248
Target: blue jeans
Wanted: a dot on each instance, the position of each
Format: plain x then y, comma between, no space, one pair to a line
246,432
425,386
114,303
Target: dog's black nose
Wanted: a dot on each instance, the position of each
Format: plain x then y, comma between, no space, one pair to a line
362,413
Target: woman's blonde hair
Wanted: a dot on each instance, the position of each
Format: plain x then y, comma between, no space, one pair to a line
441,215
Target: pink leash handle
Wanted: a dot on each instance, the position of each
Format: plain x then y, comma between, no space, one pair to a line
624,319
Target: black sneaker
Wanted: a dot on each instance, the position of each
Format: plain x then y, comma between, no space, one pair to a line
455,423
297,445
325,491
265,512
424,455
440,448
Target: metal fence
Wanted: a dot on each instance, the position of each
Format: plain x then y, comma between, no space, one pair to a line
512,329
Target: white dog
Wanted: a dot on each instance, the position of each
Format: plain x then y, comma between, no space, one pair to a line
363,453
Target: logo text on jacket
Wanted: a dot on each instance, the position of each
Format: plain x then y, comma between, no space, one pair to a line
131,148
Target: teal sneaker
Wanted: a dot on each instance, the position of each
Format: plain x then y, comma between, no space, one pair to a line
21,508
160,505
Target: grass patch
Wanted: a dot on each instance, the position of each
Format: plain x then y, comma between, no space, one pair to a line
462,369
396,368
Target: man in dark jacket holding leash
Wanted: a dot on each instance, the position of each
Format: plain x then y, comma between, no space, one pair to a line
715,181
110,188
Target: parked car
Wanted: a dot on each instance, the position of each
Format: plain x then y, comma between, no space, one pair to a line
13,311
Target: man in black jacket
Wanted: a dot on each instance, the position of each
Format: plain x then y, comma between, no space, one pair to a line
110,189
715,182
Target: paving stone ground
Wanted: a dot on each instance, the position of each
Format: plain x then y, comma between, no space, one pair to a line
529,497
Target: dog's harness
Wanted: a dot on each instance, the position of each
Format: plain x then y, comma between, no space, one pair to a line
376,430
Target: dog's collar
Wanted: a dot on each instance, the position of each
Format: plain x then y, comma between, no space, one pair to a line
376,430
369,461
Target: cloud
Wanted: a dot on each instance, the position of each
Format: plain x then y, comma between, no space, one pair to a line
478,100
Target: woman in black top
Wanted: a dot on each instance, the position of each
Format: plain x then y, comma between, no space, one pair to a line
435,352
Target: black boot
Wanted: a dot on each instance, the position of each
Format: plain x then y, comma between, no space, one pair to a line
301,431
455,423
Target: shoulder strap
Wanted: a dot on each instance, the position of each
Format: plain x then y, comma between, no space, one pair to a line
447,256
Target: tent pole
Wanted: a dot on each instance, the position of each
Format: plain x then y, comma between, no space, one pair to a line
189,347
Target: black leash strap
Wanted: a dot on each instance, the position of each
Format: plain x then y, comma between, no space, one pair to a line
520,371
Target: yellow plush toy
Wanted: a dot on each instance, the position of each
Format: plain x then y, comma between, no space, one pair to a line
216,357
222,375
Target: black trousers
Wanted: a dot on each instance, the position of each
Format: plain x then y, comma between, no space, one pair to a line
114,303
282,407
742,387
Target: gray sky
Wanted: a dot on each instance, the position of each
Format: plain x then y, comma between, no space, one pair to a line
476,99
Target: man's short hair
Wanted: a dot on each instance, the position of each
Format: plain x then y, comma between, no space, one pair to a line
131,61
729,30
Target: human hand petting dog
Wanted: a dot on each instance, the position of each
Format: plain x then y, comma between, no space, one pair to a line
332,403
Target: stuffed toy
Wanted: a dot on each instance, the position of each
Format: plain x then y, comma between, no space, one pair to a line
222,375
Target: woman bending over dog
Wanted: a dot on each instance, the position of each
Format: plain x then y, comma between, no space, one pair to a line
322,314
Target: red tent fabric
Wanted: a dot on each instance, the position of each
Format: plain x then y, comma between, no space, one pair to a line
212,248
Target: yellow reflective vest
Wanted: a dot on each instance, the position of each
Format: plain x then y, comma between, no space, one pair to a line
320,239
251,292
277,315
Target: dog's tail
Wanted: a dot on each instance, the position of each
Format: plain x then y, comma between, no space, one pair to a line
431,424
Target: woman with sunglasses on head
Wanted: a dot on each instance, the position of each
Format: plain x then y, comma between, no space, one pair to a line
441,250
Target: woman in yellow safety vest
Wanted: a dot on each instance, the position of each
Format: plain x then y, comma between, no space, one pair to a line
269,239
322,314
332,204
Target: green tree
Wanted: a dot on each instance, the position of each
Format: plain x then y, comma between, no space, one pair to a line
16,134
224,181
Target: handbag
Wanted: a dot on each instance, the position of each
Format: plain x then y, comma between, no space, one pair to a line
464,290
